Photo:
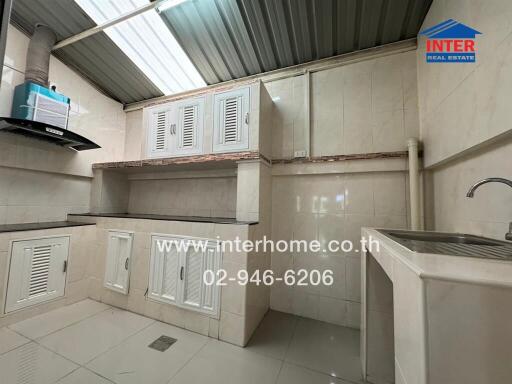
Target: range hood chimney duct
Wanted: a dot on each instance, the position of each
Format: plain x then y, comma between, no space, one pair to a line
38,56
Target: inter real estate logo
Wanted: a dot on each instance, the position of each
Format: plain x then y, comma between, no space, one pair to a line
450,42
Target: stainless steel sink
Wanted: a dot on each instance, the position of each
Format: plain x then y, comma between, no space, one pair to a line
454,244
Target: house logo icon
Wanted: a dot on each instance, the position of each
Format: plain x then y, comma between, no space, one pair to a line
450,42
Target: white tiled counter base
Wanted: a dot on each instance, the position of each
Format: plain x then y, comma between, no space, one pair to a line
231,325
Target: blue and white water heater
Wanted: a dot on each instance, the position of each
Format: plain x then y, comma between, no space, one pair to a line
35,102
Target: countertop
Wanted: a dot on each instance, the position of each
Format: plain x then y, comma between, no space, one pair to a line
36,226
444,267
193,219
184,163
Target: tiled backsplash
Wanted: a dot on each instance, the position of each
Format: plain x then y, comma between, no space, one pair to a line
324,208
28,196
461,107
489,212
40,181
193,197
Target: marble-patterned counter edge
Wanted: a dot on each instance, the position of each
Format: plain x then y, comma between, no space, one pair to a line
356,156
444,267
5,228
235,156
192,219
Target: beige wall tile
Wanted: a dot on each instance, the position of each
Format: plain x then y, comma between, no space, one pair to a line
332,310
325,208
489,212
481,90
193,197
356,108
359,194
232,328
47,166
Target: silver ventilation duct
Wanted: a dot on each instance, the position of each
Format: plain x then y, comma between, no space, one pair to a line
38,56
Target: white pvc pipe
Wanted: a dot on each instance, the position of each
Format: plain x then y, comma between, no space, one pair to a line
414,184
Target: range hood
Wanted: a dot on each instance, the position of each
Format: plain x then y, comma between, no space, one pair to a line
46,132
38,111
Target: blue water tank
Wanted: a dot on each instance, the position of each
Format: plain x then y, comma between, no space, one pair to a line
35,102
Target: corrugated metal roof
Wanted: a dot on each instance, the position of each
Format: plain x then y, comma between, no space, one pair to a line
96,57
229,39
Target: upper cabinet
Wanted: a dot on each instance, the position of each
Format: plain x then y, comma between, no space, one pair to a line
188,134
159,130
176,129
219,121
231,120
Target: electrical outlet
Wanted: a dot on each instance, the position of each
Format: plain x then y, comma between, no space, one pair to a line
300,153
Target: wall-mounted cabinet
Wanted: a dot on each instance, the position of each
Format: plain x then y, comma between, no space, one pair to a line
234,120
231,120
159,130
177,269
37,271
176,129
117,269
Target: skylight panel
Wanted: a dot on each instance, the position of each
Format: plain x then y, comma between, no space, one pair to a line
147,41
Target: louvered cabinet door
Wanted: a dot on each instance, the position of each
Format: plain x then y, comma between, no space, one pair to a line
198,295
177,270
231,121
159,131
210,294
163,270
117,269
188,134
37,272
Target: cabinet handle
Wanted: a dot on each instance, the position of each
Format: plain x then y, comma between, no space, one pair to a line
247,118
173,129
65,268
126,263
181,273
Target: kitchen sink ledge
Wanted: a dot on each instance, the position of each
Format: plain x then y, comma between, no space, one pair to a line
430,318
436,266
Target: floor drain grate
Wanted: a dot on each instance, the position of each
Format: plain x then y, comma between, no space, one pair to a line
162,343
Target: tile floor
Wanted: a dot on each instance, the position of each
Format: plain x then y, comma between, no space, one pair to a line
92,343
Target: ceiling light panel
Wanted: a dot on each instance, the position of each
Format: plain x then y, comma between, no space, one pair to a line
147,41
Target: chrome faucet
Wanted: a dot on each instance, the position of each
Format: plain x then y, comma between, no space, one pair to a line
471,193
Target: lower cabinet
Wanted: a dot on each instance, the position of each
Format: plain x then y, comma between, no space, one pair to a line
117,269
177,269
37,271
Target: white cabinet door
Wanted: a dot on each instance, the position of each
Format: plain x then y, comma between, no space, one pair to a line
188,130
176,275
176,129
117,270
164,270
37,271
231,120
196,293
159,130
192,277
